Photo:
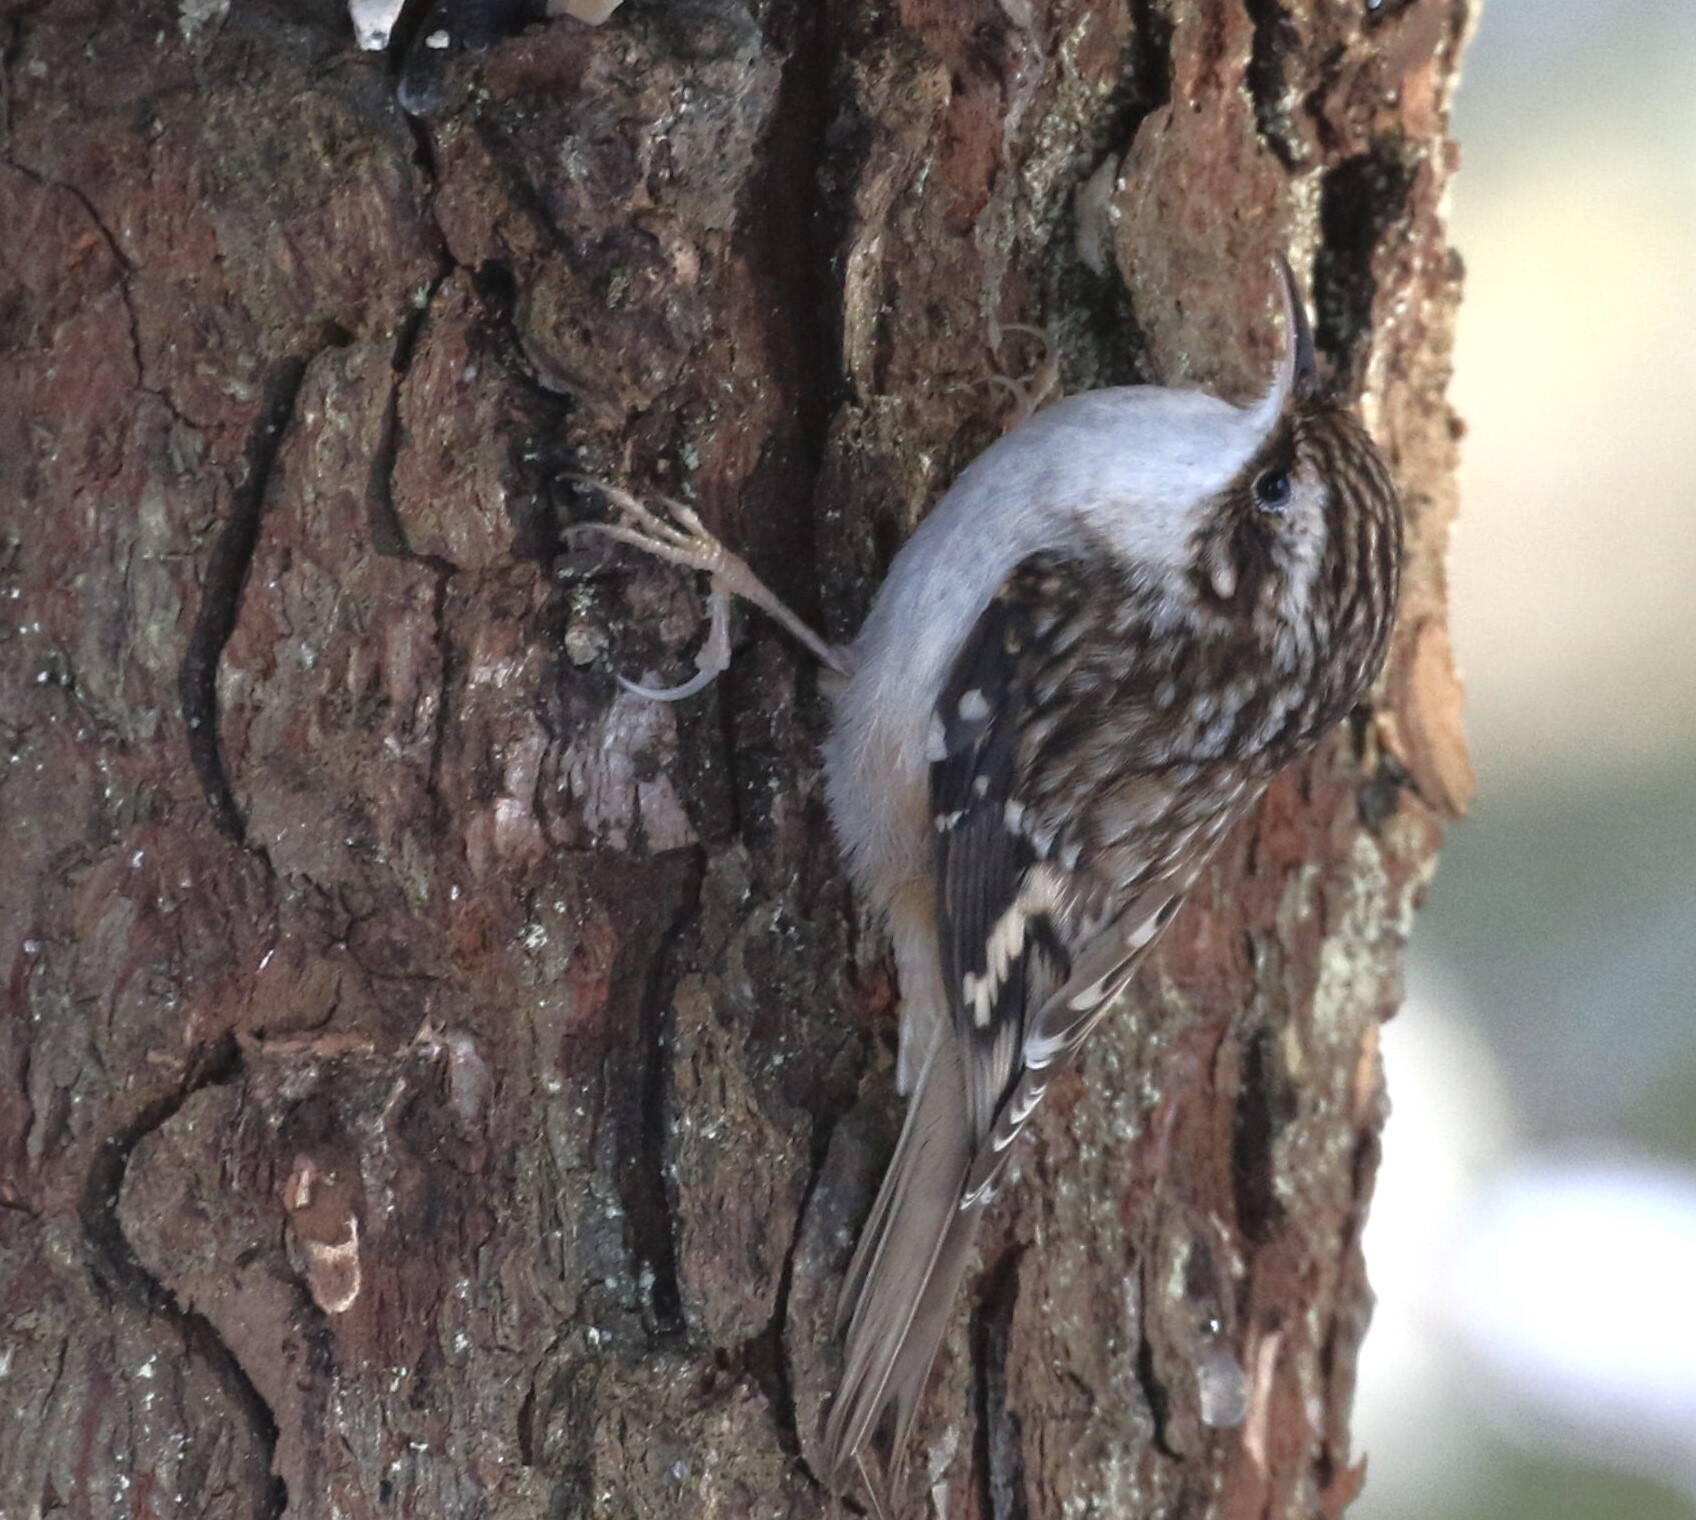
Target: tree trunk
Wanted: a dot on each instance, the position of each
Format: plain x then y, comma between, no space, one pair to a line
439,1083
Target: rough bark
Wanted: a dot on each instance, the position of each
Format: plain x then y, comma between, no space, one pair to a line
436,1083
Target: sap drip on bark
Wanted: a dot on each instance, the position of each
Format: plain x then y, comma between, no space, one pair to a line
1221,1385
1208,1267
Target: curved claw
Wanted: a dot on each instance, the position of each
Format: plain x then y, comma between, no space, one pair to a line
697,682
711,660
1030,392
683,539
1030,330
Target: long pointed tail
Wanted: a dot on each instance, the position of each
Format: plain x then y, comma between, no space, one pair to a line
902,1282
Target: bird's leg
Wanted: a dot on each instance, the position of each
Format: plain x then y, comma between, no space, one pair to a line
679,537
1033,390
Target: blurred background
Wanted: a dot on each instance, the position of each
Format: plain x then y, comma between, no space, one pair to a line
1533,1238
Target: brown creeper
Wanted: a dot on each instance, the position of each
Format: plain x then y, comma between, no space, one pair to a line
1123,619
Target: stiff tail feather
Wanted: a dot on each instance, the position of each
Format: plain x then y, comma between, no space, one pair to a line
897,1298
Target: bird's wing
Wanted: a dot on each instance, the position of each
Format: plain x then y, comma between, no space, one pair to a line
1039,931
1000,903
1017,919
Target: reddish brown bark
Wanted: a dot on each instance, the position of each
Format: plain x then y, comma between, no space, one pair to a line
436,1083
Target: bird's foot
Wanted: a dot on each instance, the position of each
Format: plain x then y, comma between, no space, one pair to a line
679,537
1034,389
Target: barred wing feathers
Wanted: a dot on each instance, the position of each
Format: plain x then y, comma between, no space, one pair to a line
1035,944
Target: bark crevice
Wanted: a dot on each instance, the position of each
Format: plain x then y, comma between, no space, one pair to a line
388,533
120,1277
1262,1106
1360,198
999,1451
644,1187
1275,40
221,588
777,1348
1154,1392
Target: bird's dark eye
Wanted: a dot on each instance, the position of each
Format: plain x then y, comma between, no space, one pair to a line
1272,489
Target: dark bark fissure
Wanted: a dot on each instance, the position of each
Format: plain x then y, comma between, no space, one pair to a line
785,223
1330,1465
1275,39
11,38
999,1452
445,655
526,1432
774,1350
120,1277
540,471
1151,73
222,586
783,231
1359,200
388,534
643,1186
648,1198
1154,1392
424,160
1263,1106
789,210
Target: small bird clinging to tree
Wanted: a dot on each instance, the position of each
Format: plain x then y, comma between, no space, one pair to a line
1126,616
